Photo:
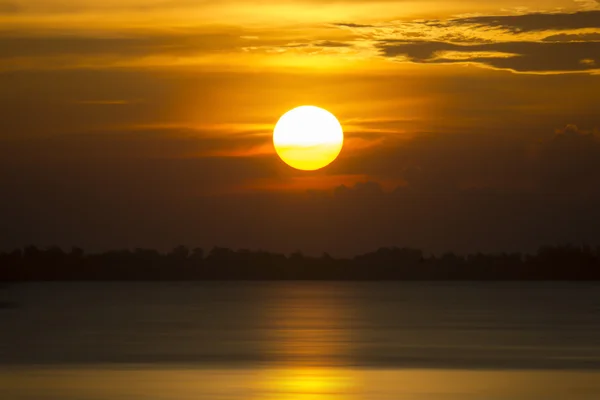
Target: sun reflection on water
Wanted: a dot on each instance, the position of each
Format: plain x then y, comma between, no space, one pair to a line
311,344
306,384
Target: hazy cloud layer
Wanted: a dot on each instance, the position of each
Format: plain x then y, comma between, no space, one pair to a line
532,42
179,160
126,46
458,192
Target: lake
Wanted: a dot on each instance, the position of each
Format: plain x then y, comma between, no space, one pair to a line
300,341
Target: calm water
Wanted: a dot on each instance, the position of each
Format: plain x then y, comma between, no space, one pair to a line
300,341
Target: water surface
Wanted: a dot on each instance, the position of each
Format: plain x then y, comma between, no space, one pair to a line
301,340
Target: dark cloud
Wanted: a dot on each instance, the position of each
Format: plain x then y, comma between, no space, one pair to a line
528,56
535,21
329,43
304,46
293,45
573,37
434,163
462,38
413,34
359,190
469,38
568,162
352,25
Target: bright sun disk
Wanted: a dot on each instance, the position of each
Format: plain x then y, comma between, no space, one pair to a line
308,138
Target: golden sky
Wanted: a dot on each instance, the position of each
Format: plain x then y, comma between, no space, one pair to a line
140,101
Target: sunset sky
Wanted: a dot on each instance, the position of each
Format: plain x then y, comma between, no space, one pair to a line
469,125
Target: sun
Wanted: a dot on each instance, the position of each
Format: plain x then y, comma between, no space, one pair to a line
308,138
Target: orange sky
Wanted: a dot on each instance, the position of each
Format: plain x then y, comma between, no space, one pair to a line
119,102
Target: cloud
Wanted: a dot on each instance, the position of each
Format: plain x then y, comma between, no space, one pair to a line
515,56
588,4
143,143
127,46
359,190
488,27
534,22
330,43
305,47
567,163
512,42
436,163
352,25
79,49
520,43
573,37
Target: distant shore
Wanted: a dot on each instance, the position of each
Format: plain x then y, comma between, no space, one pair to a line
580,263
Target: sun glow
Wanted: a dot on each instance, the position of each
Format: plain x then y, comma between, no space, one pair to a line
308,138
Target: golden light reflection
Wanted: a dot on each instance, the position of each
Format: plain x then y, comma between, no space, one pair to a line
308,329
307,384
310,345
156,383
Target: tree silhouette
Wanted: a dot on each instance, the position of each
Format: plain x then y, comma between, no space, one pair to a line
568,262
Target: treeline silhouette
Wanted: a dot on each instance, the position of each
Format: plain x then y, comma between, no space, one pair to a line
390,263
